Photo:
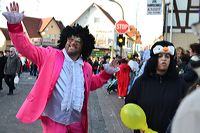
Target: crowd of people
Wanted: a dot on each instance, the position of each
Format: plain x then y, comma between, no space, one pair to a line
162,80
158,80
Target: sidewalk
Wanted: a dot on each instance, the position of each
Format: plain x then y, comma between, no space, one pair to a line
11,104
104,113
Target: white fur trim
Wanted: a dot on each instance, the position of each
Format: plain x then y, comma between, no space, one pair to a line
195,58
109,69
13,17
157,49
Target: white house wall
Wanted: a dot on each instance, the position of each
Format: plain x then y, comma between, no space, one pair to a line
103,29
183,40
51,34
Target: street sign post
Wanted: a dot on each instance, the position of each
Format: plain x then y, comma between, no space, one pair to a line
121,26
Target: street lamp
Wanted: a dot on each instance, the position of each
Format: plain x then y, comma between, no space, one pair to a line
119,6
122,19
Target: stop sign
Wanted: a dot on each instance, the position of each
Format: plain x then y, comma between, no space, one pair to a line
121,26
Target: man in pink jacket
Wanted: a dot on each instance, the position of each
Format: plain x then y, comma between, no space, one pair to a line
60,95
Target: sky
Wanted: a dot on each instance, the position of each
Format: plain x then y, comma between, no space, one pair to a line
150,26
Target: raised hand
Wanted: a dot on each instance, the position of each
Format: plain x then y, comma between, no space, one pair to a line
114,63
12,15
112,67
14,7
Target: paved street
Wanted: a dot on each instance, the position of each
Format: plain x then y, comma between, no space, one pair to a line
103,110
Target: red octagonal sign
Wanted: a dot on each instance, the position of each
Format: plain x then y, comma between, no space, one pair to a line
121,26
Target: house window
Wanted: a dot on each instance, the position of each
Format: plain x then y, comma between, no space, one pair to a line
96,20
195,3
129,44
46,29
51,26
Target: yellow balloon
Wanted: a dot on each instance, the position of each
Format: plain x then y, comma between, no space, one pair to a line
133,117
150,131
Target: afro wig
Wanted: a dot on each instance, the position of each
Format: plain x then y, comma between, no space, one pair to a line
78,31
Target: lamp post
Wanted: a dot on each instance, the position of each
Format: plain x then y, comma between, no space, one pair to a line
122,18
119,6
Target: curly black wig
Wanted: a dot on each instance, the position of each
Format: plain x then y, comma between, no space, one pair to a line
78,31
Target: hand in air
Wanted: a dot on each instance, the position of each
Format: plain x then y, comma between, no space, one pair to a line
14,7
12,15
114,63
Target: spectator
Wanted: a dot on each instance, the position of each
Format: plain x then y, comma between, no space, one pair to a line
7,53
133,64
189,75
123,78
95,65
180,52
11,69
187,117
2,65
159,89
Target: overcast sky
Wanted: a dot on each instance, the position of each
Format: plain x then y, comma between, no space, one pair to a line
67,11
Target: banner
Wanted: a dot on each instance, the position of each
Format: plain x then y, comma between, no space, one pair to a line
154,7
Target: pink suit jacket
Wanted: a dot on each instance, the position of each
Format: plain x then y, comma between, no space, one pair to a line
49,62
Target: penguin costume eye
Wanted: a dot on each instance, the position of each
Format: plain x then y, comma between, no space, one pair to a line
160,49
171,50
157,49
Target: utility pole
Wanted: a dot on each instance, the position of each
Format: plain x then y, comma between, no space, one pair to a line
119,6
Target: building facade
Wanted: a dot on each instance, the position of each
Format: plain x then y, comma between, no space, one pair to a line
178,24
41,32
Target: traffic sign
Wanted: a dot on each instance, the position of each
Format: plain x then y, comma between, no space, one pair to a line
121,26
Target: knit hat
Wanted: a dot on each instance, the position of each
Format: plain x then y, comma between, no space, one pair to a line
162,47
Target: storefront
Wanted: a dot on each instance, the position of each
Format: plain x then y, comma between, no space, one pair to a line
100,52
